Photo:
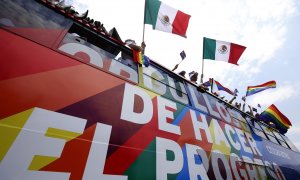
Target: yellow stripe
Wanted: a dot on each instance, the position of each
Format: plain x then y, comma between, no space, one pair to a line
140,58
222,146
38,162
10,128
61,134
277,117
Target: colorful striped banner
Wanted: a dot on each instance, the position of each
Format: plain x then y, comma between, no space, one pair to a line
255,89
141,58
272,114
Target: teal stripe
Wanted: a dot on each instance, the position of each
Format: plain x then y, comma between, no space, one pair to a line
151,12
209,48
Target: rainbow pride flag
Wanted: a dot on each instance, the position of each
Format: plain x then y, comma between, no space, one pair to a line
141,58
272,114
255,89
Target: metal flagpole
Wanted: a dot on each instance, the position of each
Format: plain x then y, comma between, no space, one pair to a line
202,75
202,70
176,66
144,27
183,56
211,84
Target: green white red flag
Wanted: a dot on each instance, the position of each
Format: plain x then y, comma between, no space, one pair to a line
222,51
165,18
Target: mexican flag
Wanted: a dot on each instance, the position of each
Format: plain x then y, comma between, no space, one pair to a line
222,51
165,18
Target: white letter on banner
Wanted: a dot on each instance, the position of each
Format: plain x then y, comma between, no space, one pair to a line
261,168
183,98
219,135
117,67
195,99
95,164
164,115
210,108
73,48
163,165
271,170
252,143
236,161
233,141
242,139
216,156
196,170
128,113
223,112
200,125
32,141
154,84
251,168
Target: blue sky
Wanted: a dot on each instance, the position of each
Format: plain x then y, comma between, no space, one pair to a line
268,28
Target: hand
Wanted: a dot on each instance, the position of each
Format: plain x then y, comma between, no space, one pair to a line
135,47
143,45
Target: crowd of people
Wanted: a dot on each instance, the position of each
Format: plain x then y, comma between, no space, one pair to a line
194,77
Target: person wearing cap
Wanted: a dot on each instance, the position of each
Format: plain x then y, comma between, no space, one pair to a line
126,58
131,43
193,77
182,73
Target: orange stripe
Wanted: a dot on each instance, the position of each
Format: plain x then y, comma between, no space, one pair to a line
267,84
280,116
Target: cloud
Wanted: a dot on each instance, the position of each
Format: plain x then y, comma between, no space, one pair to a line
264,31
275,10
293,134
294,131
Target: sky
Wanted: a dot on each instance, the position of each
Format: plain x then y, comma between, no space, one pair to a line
270,29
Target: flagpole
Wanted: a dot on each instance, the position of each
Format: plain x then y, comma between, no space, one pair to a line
144,27
202,71
143,33
176,66
202,75
211,85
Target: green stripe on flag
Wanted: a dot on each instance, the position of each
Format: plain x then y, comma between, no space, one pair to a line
151,12
209,48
